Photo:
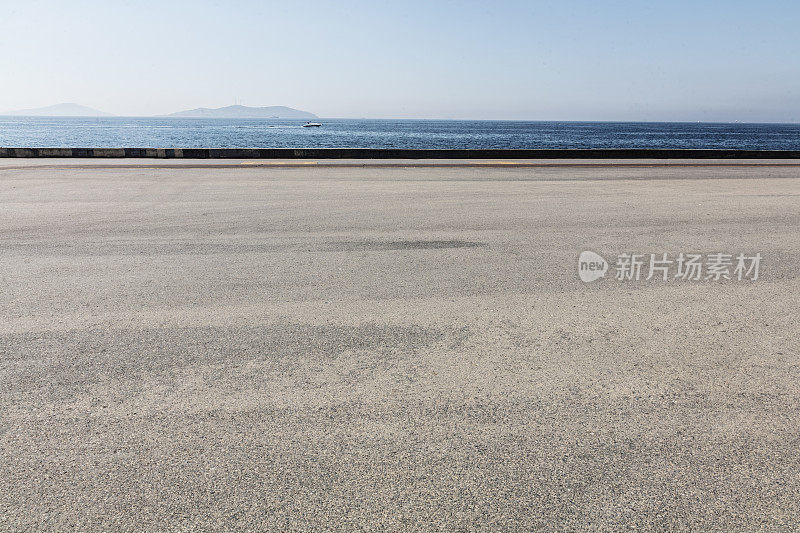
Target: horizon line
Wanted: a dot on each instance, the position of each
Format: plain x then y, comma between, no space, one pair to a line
420,119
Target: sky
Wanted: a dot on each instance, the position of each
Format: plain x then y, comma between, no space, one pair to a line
520,60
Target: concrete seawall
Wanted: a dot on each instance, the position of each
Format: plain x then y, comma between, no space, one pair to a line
381,153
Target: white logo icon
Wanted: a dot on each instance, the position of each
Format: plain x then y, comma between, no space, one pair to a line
591,266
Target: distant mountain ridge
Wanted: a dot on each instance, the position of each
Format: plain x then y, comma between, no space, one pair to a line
241,111
59,110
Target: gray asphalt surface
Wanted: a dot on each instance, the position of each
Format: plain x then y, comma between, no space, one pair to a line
398,348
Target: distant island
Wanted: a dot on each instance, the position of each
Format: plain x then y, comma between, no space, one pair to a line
232,111
241,111
59,110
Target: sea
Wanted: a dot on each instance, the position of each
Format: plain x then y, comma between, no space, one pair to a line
354,133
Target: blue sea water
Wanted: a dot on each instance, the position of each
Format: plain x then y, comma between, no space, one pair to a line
350,133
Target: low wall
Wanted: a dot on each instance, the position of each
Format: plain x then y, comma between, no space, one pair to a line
389,153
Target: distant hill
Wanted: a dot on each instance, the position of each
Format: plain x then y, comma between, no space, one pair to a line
241,111
59,110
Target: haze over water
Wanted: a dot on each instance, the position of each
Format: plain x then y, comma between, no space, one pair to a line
350,133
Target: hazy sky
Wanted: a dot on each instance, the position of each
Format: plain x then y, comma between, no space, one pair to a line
592,60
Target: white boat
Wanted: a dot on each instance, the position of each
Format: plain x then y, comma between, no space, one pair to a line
312,125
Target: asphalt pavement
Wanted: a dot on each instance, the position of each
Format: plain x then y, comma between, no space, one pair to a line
264,346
